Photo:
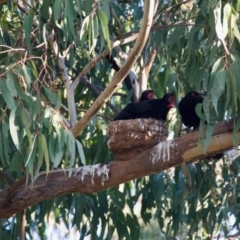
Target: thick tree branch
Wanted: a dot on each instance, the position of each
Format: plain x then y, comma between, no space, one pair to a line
98,177
122,73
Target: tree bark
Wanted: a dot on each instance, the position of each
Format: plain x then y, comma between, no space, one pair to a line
95,178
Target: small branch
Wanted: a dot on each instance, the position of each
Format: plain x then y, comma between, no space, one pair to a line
115,17
12,49
96,91
122,73
22,225
69,90
150,62
169,9
144,70
178,25
65,77
7,177
98,115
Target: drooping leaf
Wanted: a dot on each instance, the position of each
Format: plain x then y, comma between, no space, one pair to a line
7,95
218,87
81,152
218,24
14,128
27,26
104,24
57,9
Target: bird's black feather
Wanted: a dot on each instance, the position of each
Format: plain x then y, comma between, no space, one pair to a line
154,108
187,109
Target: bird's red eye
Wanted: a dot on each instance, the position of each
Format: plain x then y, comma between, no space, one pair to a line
150,95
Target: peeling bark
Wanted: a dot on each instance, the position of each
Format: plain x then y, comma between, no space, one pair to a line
99,177
128,138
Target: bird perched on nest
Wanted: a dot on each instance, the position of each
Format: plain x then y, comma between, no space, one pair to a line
153,108
147,95
187,110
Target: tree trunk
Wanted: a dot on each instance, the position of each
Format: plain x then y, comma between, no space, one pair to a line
95,178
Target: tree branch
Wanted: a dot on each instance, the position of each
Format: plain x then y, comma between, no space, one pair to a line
99,177
122,73
7,177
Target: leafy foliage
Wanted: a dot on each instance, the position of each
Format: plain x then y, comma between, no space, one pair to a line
198,48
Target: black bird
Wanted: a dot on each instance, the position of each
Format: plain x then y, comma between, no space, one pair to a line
146,95
153,108
188,113
187,110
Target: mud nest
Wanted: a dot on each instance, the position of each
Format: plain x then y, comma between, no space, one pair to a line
128,138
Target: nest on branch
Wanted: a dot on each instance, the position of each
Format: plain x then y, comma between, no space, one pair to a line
128,138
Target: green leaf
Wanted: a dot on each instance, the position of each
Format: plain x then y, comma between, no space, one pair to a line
208,137
104,24
218,24
11,85
52,97
27,76
235,72
26,118
47,119
44,150
218,87
199,110
14,128
70,13
89,6
39,156
90,33
133,226
7,95
233,23
84,28
236,32
31,157
27,123
61,138
58,157
81,152
57,9
52,145
235,132
105,6
37,107
226,16
71,149
19,89
27,26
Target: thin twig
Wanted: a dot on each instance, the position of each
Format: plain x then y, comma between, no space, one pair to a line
98,115
10,180
22,225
